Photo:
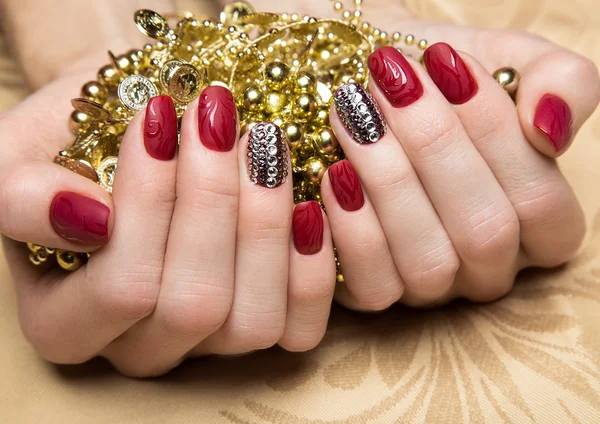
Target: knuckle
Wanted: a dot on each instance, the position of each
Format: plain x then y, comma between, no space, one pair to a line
258,335
270,228
133,368
196,312
129,295
435,274
436,139
313,292
583,69
301,340
497,233
47,342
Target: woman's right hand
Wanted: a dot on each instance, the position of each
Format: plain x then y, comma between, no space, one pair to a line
190,256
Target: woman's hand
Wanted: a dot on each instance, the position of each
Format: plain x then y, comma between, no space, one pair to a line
195,257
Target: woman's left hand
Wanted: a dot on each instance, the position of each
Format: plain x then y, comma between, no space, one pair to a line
462,192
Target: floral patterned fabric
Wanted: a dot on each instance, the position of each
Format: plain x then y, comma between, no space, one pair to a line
533,356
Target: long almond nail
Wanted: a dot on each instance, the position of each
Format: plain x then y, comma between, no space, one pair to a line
267,155
359,113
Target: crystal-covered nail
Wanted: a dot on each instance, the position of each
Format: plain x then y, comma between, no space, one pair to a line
359,113
267,155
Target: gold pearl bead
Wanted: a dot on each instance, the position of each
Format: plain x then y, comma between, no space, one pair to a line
95,91
77,120
276,74
509,79
322,115
277,120
294,133
275,103
306,149
124,63
249,123
253,99
304,106
109,76
305,82
314,169
325,141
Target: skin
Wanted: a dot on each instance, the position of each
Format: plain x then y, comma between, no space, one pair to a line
481,177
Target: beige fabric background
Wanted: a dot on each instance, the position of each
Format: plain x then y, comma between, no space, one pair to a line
531,357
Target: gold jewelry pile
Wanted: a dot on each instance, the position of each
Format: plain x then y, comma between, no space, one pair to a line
281,68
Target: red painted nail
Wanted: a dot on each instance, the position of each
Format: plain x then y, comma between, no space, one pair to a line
450,73
553,118
160,128
395,76
217,119
80,219
346,186
308,228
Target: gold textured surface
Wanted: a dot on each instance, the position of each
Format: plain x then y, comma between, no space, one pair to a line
531,357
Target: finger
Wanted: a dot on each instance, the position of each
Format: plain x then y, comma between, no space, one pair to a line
311,279
257,317
197,285
551,109
550,216
470,202
45,204
420,245
72,319
370,275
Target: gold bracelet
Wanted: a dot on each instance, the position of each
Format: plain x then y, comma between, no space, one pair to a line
281,68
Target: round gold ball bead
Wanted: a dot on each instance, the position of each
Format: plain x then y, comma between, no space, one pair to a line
314,169
294,133
77,120
304,106
508,78
306,148
276,74
322,115
325,141
68,260
254,99
124,63
275,102
109,76
95,91
305,82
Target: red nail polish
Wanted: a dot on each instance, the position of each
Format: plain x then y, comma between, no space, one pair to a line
346,186
308,228
553,118
160,128
217,119
450,73
395,76
79,219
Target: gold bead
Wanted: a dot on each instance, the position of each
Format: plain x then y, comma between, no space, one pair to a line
306,149
95,91
396,37
322,115
277,120
276,74
304,106
294,133
325,141
77,120
305,82
422,44
509,79
68,260
314,169
338,6
254,99
249,123
409,40
109,76
124,63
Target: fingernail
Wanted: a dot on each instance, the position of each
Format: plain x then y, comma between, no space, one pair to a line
79,219
267,155
450,73
346,186
395,77
217,119
160,128
308,228
553,118
359,113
